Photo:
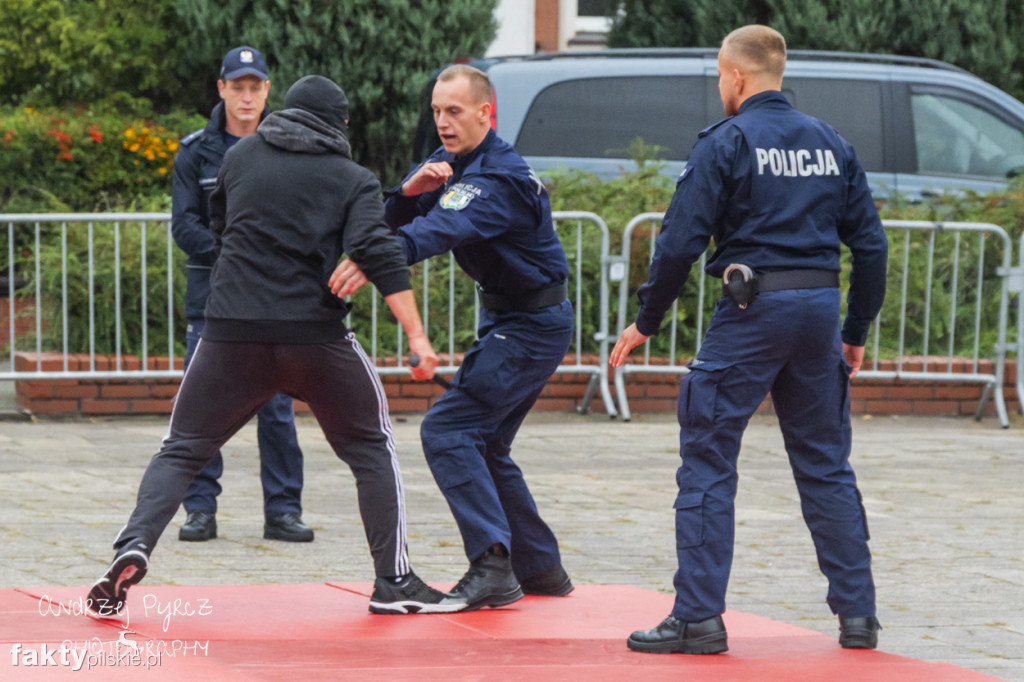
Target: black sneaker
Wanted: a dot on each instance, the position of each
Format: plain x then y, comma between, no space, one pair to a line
199,526
288,527
489,581
409,595
108,594
859,633
551,583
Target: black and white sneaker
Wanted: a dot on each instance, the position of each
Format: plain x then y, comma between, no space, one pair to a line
108,594
409,595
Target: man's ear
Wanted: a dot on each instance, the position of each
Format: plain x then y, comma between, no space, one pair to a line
738,81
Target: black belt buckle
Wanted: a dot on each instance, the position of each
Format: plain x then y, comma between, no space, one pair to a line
739,284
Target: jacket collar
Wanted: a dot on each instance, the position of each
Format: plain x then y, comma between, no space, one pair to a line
466,159
218,123
768,98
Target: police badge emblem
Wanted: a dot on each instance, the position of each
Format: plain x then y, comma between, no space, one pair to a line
245,56
459,196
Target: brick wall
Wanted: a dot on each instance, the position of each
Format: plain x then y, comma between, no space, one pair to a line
545,23
564,392
24,318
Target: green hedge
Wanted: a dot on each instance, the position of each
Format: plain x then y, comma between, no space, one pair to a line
82,160
616,201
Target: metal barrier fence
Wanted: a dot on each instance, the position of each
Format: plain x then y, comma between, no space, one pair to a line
120,249
966,281
45,243
1015,282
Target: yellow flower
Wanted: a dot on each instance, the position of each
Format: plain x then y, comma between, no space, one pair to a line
161,171
130,133
134,148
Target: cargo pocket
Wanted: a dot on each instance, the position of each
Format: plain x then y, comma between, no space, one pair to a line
446,455
698,393
493,373
864,515
689,508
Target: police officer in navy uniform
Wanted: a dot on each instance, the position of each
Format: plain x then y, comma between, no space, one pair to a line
243,87
779,191
477,198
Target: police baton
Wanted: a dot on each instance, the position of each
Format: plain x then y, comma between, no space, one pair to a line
414,361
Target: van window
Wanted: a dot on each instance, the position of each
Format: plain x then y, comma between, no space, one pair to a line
601,117
956,137
852,107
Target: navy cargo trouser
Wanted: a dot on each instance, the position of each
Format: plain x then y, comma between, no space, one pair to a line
786,343
467,435
280,455
226,385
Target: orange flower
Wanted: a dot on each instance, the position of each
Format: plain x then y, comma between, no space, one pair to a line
95,134
63,144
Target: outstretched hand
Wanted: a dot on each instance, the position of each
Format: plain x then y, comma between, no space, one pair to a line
628,340
346,279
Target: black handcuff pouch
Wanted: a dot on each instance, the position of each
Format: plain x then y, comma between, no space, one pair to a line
740,285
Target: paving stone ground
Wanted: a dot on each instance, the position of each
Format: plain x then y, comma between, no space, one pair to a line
944,501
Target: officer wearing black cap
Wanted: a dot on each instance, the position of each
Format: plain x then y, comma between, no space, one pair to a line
243,86
779,192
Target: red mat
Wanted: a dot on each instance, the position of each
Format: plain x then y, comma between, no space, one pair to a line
324,632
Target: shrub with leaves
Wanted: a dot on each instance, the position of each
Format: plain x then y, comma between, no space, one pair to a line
90,284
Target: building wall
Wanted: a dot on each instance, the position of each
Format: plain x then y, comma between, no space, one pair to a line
528,26
546,25
515,28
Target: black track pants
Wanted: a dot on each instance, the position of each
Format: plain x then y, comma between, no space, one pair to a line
226,384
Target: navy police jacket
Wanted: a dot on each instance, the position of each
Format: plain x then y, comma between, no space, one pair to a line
195,172
777,190
493,214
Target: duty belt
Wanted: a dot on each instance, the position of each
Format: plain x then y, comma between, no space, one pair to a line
742,286
526,301
797,279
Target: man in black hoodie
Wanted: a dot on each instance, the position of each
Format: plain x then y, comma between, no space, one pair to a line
243,86
288,202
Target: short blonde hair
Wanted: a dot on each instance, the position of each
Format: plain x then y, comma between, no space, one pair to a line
760,47
479,84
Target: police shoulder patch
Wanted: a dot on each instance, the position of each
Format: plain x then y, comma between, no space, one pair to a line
458,196
707,131
191,137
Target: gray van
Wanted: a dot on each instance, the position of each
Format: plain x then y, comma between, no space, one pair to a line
919,126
